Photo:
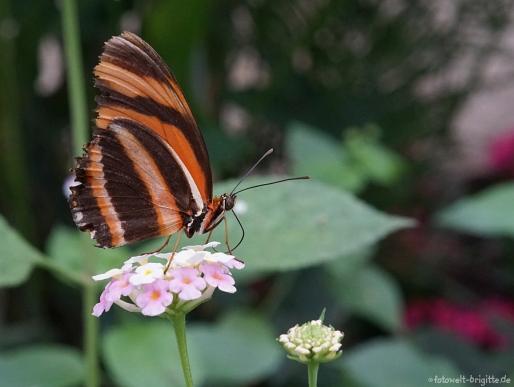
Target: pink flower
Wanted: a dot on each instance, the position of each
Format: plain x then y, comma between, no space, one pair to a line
155,298
216,275
235,264
104,305
187,283
119,287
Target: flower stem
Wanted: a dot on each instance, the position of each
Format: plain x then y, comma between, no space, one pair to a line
179,324
90,336
312,369
75,74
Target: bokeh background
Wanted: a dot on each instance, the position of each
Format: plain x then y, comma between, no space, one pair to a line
401,112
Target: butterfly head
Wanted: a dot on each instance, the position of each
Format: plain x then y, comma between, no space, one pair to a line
228,201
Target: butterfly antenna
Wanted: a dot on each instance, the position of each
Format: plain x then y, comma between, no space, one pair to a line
242,229
268,152
273,182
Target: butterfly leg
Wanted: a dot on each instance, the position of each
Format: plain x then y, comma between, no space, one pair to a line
226,234
160,247
175,247
208,237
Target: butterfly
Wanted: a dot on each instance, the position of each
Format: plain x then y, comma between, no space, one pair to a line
146,171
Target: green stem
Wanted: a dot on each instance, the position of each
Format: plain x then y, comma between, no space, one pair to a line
15,179
90,336
75,74
179,324
312,368
79,127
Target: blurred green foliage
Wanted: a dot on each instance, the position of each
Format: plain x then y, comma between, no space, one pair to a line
334,87
489,212
50,366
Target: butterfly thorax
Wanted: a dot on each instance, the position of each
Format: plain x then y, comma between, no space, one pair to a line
212,214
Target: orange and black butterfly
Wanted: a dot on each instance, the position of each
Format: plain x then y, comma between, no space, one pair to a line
146,172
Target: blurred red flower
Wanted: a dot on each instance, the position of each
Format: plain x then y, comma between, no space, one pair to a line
501,152
473,325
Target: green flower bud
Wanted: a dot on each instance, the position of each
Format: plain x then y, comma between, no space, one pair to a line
312,341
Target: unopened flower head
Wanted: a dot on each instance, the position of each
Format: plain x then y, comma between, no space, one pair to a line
148,285
312,341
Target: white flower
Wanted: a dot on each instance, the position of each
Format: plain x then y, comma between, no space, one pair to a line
108,274
185,258
140,259
147,273
218,257
201,247
312,341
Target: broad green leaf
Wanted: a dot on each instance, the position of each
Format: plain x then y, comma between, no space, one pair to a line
349,264
239,350
394,363
302,223
371,293
488,213
17,256
41,366
73,249
146,354
315,154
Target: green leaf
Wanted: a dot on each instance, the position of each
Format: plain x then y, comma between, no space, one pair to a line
302,223
68,247
41,366
377,162
488,213
315,154
17,256
371,293
349,264
394,363
146,354
239,350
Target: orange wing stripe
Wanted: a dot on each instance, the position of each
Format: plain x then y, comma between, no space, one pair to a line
106,114
135,83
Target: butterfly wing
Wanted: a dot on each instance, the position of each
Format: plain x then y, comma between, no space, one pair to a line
146,172
135,83
132,186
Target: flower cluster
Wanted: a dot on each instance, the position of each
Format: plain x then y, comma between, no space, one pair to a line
151,285
312,341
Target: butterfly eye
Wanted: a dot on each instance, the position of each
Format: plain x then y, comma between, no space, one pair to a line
230,201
